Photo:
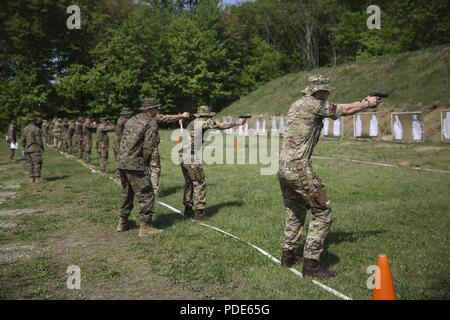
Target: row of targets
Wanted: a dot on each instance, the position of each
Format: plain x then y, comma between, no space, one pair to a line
405,126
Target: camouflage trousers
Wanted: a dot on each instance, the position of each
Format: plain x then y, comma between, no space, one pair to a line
155,169
57,140
194,186
103,152
137,183
302,190
87,150
34,162
69,145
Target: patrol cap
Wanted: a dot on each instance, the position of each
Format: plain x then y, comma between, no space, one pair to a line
149,103
126,111
317,83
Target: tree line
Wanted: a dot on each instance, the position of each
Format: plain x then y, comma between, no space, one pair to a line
188,52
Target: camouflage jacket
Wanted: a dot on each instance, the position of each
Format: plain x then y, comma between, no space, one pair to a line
137,143
304,125
88,129
119,130
12,133
102,133
32,139
196,131
70,131
79,130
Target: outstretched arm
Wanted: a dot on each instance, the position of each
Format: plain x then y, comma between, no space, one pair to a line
352,108
228,125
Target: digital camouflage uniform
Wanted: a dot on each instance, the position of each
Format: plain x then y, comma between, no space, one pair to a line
103,143
69,136
301,187
88,129
12,138
136,147
79,137
194,177
33,149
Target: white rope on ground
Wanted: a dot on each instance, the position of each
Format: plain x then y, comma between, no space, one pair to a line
263,252
378,164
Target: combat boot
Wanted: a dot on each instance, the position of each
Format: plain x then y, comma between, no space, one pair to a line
147,230
312,268
188,212
289,258
125,224
200,215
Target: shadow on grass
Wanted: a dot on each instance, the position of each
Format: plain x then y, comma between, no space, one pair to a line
214,209
168,191
342,236
56,178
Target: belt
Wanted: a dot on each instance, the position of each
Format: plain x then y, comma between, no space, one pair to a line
294,165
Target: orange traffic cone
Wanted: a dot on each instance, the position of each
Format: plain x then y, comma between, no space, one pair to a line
384,287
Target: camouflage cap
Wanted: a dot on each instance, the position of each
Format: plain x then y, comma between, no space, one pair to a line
149,103
126,111
203,111
317,83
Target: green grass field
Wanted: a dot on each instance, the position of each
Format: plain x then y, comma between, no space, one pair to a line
398,211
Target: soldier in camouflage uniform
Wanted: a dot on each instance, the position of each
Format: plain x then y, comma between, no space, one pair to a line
69,136
45,126
12,138
103,143
57,130
51,137
301,187
88,129
64,129
79,136
33,149
194,198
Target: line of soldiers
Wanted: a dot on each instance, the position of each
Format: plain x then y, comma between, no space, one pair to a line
136,148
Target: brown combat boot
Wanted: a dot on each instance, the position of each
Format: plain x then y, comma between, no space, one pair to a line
200,215
147,230
125,224
312,268
188,212
289,258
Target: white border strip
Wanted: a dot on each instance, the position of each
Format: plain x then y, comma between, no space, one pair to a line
379,164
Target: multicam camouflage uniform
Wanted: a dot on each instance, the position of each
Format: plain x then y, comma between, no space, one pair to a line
57,131
136,147
79,137
33,149
64,129
88,129
103,143
194,177
69,136
45,128
301,187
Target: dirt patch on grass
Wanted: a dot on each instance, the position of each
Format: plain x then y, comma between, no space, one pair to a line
429,148
10,253
109,268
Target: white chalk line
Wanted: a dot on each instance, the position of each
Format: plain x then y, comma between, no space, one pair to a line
263,252
379,164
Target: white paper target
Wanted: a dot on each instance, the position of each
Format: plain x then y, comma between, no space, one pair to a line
281,125
373,126
337,128
398,128
416,129
358,126
325,126
447,126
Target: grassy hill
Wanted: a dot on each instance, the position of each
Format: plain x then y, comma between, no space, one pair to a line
414,80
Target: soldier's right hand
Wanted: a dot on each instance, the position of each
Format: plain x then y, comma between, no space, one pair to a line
373,101
185,115
241,121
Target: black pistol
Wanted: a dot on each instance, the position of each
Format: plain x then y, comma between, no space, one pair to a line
379,95
245,116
